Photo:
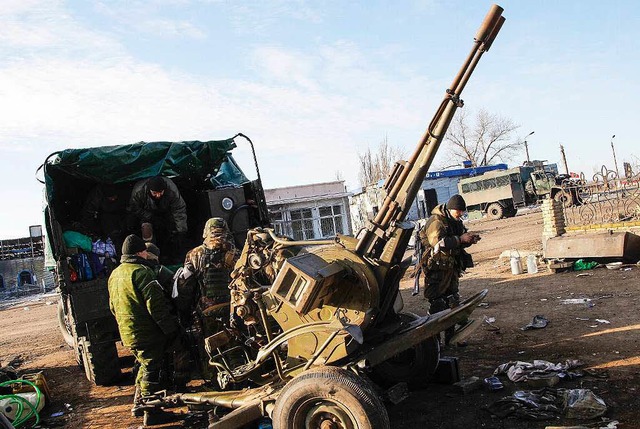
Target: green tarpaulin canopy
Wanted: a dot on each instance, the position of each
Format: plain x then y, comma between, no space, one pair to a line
127,163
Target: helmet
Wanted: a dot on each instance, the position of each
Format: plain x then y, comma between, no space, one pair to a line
215,225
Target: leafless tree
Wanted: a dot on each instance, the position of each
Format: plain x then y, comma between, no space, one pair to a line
376,165
484,139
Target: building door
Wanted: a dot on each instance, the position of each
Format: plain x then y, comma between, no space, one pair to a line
430,201
25,278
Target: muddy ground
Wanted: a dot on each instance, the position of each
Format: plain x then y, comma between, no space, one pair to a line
30,331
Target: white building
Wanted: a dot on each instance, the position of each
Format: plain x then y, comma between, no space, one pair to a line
307,212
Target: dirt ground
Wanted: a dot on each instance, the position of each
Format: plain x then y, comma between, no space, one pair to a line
30,332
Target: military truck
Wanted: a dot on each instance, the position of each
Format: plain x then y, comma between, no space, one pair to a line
211,184
500,193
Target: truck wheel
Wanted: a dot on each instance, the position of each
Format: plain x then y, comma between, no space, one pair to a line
414,366
329,397
565,198
65,327
100,361
495,211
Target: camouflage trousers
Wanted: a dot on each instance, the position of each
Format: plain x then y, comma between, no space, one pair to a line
440,284
152,358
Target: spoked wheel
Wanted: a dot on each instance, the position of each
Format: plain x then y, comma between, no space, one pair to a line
329,398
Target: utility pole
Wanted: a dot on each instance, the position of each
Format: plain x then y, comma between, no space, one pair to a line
615,161
526,146
564,159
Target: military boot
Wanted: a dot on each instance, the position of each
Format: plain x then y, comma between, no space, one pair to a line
137,409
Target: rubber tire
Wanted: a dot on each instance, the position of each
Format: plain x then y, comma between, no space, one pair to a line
565,198
415,366
495,211
100,361
350,394
62,324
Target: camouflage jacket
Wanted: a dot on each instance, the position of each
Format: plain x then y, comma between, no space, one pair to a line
440,239
210,268
139,304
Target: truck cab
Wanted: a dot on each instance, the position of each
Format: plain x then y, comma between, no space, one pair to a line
208,179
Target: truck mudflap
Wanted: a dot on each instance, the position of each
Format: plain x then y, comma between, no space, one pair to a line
419,330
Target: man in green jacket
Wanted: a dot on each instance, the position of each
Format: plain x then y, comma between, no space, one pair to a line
145,320
444,239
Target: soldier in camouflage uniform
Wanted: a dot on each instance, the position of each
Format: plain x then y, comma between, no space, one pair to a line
444,239
145,321
203,284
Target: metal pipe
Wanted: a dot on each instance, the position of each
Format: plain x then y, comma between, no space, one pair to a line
267,330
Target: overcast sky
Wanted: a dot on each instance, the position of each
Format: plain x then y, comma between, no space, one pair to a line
311,82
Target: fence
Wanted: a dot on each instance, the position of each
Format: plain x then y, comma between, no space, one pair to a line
605,201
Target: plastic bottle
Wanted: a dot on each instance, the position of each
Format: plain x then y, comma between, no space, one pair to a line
516,263
532,264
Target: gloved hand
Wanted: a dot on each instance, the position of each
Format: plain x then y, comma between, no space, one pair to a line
468,238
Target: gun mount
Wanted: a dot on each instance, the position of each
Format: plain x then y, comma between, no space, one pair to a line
311,316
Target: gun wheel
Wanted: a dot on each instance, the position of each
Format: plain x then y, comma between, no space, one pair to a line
329,398
565,198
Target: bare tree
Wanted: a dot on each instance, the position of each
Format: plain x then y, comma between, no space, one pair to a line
483,140
377,165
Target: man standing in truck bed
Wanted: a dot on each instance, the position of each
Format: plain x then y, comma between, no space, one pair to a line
444,239
159,212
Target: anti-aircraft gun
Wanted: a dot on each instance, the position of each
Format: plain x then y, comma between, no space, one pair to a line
317,320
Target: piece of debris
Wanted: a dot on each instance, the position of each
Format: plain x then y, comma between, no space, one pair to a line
518,371
547,403
397,393
26,308
583,404
576,301
467,385
582,265
584,275
58,414
538,322
493,383
584,319
490,321
483,304
604,321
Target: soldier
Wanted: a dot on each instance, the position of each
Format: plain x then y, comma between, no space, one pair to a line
444,239
203,284
157,209
146,324
163,274
104,212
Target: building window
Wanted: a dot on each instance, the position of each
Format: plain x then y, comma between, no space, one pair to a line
302,224
308,223
331,220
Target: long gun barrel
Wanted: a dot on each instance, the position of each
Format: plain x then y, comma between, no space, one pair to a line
405,178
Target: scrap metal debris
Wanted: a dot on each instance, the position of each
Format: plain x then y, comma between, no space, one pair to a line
545,404
538,322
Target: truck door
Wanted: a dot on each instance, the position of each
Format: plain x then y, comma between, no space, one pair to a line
519,197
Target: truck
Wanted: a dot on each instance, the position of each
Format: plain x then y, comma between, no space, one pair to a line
317,328
211,184
499,194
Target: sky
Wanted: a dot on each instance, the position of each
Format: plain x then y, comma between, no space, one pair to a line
312,83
